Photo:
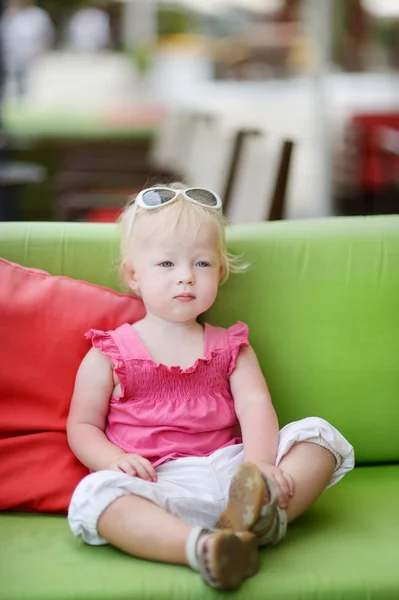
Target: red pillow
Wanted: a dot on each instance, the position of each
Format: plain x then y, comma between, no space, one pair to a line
43,319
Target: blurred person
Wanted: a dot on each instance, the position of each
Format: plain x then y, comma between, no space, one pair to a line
26,33
89,29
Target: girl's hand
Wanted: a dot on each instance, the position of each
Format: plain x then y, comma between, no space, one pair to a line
282,481
134,465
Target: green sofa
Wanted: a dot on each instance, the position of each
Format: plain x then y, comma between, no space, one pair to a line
321,298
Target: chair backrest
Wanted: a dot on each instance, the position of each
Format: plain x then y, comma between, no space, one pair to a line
208,162
170,141
261,180
180,145
248,170
241,135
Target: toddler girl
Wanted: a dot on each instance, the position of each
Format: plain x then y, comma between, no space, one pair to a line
174,418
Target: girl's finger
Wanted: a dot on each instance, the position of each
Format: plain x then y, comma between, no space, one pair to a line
291,483
280,493
141,470
283,490
126,467
149,468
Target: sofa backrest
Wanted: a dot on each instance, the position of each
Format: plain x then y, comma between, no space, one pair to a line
321,298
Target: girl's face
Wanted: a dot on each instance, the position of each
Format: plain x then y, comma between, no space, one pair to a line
177,276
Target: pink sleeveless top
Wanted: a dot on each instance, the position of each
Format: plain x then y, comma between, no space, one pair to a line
165,413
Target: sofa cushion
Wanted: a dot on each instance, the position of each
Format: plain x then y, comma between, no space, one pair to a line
345,546
43,319
321,300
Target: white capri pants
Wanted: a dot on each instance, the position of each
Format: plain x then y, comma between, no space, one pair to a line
194,489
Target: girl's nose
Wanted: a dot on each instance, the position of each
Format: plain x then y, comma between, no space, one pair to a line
186,277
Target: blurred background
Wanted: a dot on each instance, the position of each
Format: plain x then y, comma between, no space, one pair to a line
288,108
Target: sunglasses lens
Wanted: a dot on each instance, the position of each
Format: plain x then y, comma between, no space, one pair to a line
157,197
203,196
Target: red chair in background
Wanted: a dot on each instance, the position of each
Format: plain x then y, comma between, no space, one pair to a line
373,164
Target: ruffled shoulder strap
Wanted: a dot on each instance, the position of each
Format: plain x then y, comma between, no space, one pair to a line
237,336
116,345
226,340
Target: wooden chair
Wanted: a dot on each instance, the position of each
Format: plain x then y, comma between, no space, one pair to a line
241,136
259,188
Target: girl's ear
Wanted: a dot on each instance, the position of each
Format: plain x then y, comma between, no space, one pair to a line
130,278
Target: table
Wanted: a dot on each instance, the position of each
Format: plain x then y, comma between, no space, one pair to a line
53,137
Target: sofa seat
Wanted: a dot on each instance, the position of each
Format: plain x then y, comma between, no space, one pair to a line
346,547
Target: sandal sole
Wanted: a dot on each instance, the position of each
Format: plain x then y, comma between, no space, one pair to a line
234,559
246,499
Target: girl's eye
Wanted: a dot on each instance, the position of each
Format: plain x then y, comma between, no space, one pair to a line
203,263
166,264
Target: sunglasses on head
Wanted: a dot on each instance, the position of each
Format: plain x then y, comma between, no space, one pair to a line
161,196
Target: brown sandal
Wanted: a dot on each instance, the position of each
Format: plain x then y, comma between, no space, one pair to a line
226,560
252,506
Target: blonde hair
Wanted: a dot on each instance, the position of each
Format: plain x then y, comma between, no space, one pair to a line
182,216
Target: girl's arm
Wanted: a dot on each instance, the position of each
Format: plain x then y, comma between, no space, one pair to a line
254,409
86,421
89,408
258,421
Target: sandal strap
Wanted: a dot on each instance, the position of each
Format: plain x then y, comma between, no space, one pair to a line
192,547
195,553
277,531
279,528
282,525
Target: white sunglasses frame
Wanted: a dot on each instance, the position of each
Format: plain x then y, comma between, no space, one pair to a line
138,200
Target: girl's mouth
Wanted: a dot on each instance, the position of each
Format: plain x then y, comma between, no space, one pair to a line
185,297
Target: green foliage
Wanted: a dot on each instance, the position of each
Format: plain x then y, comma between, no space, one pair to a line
173,20
387,33
141,57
